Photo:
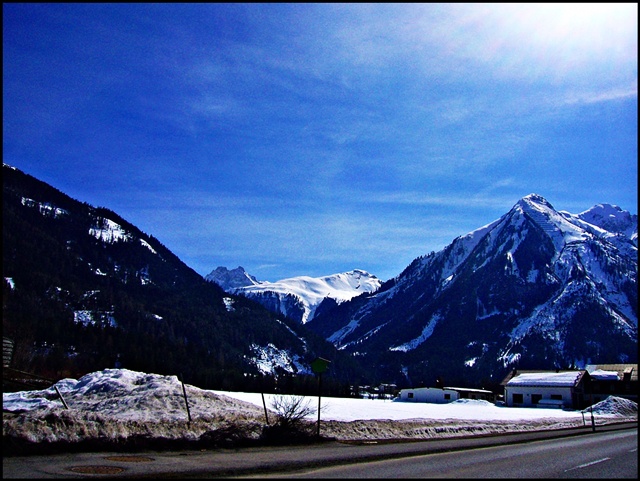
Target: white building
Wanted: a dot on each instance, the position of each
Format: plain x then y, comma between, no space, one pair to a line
562,389
429,395
442,395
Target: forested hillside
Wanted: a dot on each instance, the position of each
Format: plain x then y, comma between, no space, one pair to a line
85,290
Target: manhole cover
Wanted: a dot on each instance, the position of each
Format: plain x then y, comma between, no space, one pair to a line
129,459
97,469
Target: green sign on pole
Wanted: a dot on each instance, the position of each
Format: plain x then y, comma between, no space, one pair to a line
318,366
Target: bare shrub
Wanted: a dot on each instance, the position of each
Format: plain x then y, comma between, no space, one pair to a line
291,427
291,410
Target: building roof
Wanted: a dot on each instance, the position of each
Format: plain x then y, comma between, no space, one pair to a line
428,389
466,389
619,369
546,378
603,375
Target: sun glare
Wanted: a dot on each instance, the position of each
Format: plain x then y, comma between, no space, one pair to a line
558,38
592,26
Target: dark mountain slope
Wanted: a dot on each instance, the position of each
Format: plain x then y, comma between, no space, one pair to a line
86,290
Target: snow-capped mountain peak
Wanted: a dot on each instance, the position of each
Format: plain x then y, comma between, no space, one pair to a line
535,201
297,297
612,219
553,223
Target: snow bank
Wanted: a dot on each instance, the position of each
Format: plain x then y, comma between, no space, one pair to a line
614,406
128,395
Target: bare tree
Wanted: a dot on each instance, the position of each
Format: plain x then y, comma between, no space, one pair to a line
291,410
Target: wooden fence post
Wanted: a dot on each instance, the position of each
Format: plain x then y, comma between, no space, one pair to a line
186,402
61,398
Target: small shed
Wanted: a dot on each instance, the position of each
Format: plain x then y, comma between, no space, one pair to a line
561,389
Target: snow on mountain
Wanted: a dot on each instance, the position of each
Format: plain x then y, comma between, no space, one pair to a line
110,232
536,287
594,270
45,208
612,218
554,224
269,359
609,222
296,297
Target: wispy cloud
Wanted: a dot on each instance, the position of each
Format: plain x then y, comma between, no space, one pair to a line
602,95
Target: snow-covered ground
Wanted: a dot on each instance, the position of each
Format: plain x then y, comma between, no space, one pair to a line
118,404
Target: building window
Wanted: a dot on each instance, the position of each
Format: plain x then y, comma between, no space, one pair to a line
447,396
410,395
535,398
556,397
518,399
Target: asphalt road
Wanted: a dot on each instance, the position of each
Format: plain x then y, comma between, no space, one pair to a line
256,461
601,455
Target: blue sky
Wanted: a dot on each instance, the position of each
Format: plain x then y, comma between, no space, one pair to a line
312,139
